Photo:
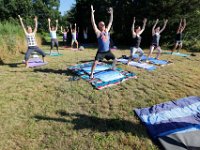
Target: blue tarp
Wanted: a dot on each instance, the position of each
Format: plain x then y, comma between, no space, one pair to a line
173,118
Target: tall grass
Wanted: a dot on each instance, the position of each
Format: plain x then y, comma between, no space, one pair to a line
12,40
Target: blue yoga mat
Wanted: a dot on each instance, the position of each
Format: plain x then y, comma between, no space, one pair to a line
97,69
103,76
177,120
153,60
54,54
142,65
109,75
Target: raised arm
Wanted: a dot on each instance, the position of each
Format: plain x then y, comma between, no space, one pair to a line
75,27
36,24
22,24
111,18
61,29
164,26
184,25
70,27
144,25
153,29
56,24
96,30
49,24
133,28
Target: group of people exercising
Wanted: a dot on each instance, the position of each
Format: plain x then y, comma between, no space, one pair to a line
103,38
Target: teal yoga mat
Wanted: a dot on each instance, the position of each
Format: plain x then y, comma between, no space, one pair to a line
177,54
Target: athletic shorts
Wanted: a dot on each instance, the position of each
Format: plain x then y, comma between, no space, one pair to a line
178,42
107,55
73,40
154,45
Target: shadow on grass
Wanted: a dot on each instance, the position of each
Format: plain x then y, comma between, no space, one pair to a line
82,121
59,71
85,61
12,65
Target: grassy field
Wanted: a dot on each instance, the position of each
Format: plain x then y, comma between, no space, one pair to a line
42,109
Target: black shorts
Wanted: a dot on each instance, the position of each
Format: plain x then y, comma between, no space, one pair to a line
107,55
155,45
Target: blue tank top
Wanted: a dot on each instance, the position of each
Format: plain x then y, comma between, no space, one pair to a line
156,39
104,42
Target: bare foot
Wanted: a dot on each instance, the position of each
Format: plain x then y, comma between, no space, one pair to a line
91,76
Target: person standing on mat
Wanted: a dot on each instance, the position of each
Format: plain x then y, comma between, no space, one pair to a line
179,32
64,32
74,34
136,32
156,38
53,30
103,38
31,40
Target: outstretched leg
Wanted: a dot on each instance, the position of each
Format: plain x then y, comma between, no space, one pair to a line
133,51
175,47
93,68
140,55
150,52
159,52
76,44
27,55
179,47
38,50
114,64
72,43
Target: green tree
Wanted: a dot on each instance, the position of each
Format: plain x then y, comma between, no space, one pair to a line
125,10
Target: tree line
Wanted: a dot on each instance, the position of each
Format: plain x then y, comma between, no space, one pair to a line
124,11
10,9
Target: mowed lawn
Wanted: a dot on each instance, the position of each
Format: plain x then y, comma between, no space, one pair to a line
42,108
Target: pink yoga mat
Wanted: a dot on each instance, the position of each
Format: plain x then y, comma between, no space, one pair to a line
36,62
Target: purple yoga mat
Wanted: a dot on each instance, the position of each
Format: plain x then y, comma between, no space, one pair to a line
36,62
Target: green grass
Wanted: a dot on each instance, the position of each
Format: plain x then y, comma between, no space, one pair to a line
41,109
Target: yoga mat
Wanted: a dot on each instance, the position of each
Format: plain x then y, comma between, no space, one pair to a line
97,69
103,75
54,54
177,54
35,62
142,65
153,60
175,124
